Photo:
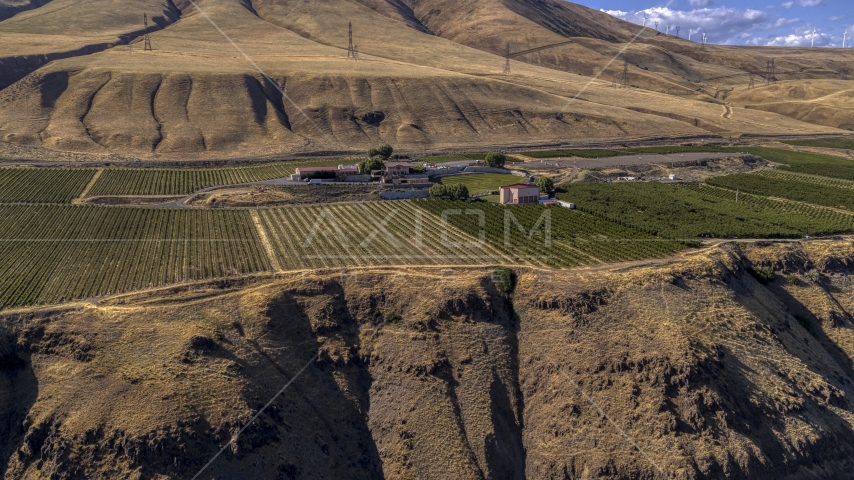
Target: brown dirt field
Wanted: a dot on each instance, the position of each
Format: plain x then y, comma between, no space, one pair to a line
278,196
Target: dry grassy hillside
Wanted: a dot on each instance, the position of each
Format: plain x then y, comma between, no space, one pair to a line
431,69
820,102
708,372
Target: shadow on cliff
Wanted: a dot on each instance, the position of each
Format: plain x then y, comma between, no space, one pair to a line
830,452
18,392
318,425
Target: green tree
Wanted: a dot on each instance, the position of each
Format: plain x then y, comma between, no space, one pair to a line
365,166
546,184
496,160
438,191
384,152
505,279
459,192
452,192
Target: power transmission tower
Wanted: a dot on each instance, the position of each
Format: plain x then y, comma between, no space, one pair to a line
624,80
770,72
752,82
146,38
507,60
677,32
351,50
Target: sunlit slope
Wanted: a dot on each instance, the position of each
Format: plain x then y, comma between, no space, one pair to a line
197,96
821,102
196,93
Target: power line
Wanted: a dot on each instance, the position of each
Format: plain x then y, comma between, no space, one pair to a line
352,50
508,54
770,72
146,38
507,60
624,80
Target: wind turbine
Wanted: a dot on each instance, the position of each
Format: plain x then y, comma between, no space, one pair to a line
844,34
813,38
690,31
668,30
704,38
644,19
656,26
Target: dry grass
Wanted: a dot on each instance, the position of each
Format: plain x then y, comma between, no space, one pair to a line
707,371
197,97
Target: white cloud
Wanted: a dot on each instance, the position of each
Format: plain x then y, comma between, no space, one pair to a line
720,23
701,3
811,3
787,4
801,38
615,13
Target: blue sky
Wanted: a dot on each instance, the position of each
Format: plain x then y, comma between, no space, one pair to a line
744,22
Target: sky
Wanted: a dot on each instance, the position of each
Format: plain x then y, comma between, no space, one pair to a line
743,22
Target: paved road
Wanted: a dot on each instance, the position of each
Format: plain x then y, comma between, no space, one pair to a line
627,160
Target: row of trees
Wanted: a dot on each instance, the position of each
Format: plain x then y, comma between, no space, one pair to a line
451,192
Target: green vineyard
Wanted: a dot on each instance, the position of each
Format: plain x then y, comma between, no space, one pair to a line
839,142
817,181
42,185
809,163
690,211
575,238
369,234
144,181
52,254
792,187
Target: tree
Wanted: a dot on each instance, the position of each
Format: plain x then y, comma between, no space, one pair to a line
546,184
438,190
459,192
384,152
505,279
366,166
452,192
496,160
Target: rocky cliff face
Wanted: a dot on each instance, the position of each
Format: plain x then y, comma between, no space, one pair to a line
695,369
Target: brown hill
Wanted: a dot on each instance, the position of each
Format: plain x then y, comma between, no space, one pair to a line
431,68
694,368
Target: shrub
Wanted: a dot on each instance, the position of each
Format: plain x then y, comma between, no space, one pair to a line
495,160
505,279
764,275
385,152
793,279
393,319
813,276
